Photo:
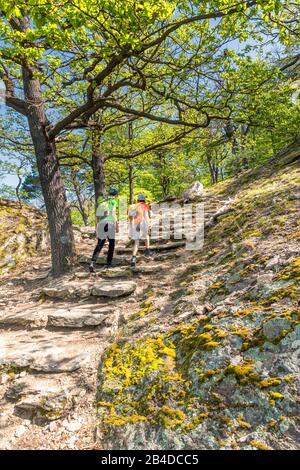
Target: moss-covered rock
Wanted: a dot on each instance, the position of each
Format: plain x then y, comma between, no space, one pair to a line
23,232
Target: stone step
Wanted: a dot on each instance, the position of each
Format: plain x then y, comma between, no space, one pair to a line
142,262
184,225
155,239
163,247
156,236
117,261
171,255
81,316
120,272
86,288
168,238
113,290
24,319
43,351
122,263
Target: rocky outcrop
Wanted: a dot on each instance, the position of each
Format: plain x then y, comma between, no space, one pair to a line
201,386
193,192
23,233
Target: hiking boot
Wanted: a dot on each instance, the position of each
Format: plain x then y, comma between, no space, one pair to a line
133,262
148,253
91,267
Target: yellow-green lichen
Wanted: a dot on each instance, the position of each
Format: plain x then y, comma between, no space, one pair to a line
276,395
270,382
290,272
244,373
243,424
225,420
150,363
152,366
203,376
146,308
191,338
171,417
252,233
295,234
196,421
290,292
241,331
248,311
259,445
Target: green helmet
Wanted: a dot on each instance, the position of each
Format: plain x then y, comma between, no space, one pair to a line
113,191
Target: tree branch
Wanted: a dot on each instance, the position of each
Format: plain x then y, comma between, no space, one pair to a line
11,100
149,148
152,117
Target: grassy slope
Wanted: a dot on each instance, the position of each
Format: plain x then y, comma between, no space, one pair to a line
228,378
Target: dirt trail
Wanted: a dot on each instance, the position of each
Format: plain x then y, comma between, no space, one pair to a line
54,332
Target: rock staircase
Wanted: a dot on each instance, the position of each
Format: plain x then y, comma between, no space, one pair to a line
54,332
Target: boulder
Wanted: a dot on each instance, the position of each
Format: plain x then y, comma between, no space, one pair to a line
113,289
193,192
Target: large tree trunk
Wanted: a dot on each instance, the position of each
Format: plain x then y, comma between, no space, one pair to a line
98,166
58,212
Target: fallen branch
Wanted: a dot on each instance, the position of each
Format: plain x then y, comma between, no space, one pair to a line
222,211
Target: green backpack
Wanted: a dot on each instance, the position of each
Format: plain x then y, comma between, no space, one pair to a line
104,208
